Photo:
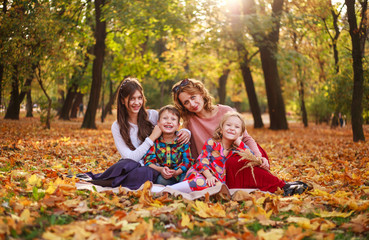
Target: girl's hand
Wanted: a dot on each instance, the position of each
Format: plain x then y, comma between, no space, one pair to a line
265,163
211,181
183,137
156,133
167,173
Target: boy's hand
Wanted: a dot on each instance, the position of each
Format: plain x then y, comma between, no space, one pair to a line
167,173
211,181
183,137
177,172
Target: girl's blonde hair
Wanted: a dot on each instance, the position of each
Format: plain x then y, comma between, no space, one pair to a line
218,131
190,86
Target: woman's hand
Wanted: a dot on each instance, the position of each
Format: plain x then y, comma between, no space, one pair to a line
156,133
238,141
211,181
183,137
265,163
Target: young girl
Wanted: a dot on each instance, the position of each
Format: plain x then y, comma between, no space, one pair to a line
134,133
209,170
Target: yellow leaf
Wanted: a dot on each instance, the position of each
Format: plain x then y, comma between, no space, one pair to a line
128,226
273,234
301,221
186,222
51,236
34,180
203,210
326,214
26,216
51,189
317,192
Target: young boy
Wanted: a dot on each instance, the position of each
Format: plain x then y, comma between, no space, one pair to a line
167,156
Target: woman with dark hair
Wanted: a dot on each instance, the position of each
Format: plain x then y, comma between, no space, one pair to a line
134,133
202,117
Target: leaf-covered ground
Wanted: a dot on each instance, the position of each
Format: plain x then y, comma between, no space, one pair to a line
38,202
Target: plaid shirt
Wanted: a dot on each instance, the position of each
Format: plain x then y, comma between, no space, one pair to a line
172,155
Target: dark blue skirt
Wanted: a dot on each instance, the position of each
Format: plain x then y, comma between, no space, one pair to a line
125,173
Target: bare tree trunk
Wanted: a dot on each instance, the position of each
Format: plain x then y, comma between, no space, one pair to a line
222,85
268,46
67,106
251,94
302,102
5,6
13,108
99,51
77,101
48,116
1,83
357,35
108,106
244,62
300,84
334,38
112,95
29,104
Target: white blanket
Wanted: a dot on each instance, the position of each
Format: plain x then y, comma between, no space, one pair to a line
158,190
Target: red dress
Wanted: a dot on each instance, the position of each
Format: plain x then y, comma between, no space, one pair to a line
265,181
211,158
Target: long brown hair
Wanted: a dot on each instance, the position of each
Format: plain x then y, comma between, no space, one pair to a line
191,86
127,88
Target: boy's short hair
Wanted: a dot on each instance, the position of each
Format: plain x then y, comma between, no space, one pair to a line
172,109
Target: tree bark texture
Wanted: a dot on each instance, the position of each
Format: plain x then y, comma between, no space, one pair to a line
108,106
251,94
244,63
29,107
77,101
5,6
49,101
1,83
357,95
99,51
14,106
67,106
268,46
222,81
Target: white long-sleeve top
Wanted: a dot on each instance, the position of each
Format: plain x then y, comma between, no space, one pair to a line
141,147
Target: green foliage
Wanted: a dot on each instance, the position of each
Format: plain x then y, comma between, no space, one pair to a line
319,108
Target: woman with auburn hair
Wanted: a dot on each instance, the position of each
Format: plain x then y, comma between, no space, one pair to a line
134,132
202,117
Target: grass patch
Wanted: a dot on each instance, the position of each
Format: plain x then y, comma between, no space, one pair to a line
43,222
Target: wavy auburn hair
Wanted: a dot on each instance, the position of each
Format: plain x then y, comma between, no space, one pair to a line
218,131
126,90
191,86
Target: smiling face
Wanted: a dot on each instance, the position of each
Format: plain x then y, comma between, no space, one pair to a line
232,128
168,122
134,103
192,102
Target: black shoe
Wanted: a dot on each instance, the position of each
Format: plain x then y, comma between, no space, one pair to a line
292,188
81,176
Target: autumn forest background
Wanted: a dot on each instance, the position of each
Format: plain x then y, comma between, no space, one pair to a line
293,67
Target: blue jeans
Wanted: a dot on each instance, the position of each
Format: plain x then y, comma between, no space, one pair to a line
170,181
